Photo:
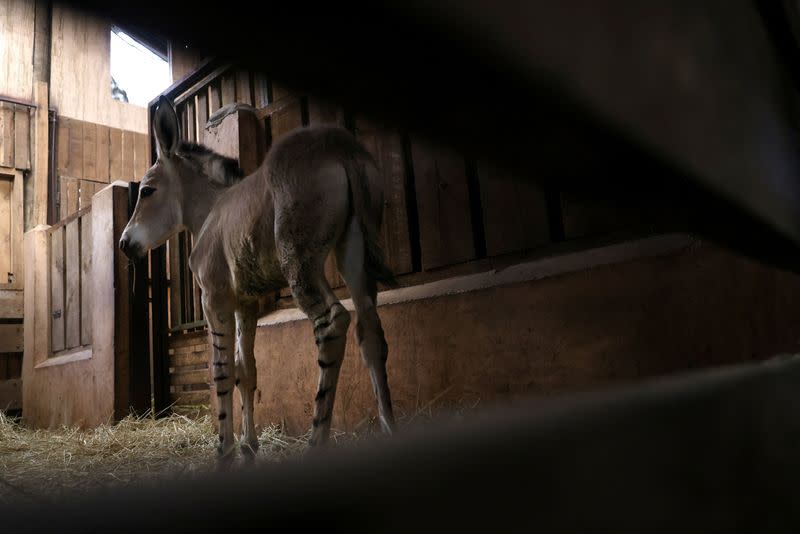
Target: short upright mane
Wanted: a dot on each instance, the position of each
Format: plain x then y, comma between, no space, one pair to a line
219,169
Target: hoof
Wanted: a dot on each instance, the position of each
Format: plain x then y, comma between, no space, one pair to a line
225,461
249,452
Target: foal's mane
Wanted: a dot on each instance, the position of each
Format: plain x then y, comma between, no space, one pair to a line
220,170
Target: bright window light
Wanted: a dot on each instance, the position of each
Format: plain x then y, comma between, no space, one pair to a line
137,74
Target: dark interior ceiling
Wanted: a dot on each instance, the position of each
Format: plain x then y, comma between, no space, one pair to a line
694,103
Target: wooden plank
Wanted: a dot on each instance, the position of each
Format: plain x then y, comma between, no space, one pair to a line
17,232
514,211
190,133
176,317
11,394
11,304
286,119
128,155
75,161
202,397
72,284
7,137
214,97
185,378
386,147
11,338
62,145
443,204
86,273
279,92
57,289
197,297
196,357
102,160
244,91
6,251
141,155
187,290
202,115
70,196
89,151
115,154
22,138
41,151
323,112
228,88
87,189
188,340
261,90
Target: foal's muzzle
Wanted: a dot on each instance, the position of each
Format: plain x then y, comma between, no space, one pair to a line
131,250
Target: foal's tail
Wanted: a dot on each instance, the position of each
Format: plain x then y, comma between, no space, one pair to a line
366,194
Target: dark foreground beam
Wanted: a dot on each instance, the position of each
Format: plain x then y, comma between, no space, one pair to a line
712,451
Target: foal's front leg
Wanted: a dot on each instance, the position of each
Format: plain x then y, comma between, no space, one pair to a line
221,326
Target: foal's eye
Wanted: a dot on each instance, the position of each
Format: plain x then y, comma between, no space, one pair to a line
147,191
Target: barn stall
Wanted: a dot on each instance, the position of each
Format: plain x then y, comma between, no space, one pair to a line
509,288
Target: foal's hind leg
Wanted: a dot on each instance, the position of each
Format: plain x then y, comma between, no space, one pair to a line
330,321
369,333
246,375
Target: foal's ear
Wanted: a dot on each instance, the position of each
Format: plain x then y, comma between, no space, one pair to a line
165,128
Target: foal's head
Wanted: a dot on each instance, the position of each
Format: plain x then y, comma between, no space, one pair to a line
178,189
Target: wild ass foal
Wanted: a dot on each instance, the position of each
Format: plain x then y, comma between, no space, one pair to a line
317,190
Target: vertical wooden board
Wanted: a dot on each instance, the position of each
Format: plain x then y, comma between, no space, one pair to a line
14,365
244,92
86,273
228,88
286,119
214,98
72,284
197,300
443,204
57,289
323,112
202,115
115,154
17,232
7,137
102,157
128,155
387,148
175,282
62,145
6,198
22,135
514,211
279,92
89,151
141,161
75,162
191,121
86,191
187,290
70,196
260,90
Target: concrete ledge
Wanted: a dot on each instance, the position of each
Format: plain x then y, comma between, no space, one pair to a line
523,272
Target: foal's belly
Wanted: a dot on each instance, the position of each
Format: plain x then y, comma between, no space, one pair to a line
256,269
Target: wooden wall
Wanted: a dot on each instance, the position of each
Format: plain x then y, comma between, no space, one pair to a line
16,48
15,136
90,156
80,76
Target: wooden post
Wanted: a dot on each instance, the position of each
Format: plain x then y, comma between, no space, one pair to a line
41,97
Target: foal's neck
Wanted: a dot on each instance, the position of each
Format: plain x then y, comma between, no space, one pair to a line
198,204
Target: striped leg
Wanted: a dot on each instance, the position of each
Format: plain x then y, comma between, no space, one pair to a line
246,377
221,327
330,321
